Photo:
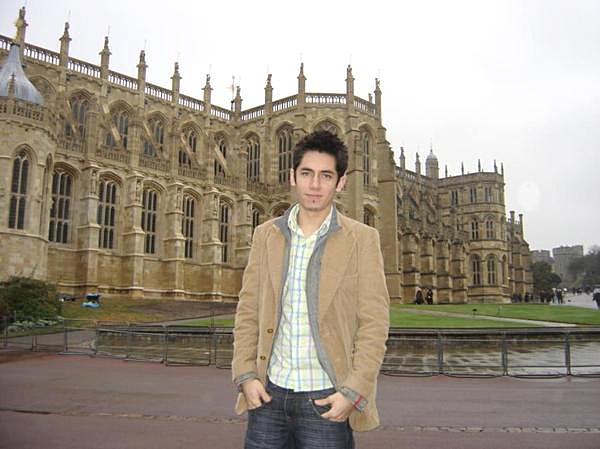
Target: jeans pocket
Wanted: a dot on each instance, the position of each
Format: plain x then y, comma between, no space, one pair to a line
318,409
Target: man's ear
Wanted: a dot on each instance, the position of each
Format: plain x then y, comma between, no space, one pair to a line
292,177
341,183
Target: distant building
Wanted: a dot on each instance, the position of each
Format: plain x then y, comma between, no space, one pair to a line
112,184
542,255
563,256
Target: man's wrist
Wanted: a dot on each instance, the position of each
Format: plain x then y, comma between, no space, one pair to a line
244,378
358,401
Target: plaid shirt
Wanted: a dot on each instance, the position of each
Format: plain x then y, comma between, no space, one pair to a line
294,363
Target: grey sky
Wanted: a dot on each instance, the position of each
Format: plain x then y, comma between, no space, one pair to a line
515,81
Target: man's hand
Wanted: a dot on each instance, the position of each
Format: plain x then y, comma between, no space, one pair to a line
341,407
255,393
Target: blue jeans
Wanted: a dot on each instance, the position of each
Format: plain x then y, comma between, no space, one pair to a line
292,421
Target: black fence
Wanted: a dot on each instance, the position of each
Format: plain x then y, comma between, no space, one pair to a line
539,352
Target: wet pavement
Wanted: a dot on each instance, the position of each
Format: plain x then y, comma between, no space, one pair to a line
66,401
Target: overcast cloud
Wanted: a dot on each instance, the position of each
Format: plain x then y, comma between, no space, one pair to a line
514,81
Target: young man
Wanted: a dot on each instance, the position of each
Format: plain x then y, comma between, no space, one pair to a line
312,318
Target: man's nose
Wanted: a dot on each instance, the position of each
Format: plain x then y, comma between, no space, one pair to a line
315,182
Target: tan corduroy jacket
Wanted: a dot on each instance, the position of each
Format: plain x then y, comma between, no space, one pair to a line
348,307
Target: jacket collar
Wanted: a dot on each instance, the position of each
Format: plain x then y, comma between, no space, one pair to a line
282,222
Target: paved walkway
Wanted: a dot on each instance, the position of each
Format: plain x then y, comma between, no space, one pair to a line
77,402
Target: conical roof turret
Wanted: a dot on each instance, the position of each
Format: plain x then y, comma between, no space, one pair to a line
13,80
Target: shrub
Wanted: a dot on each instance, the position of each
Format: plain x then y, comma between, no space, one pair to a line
26,298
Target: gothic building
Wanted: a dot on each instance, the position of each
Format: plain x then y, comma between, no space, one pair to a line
109,183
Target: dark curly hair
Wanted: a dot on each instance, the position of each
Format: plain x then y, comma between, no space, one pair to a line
323,142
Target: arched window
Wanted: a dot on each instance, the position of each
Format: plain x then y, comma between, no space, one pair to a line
61,207
476,269
121,120
191,138
368,217
18,192
149,208
253,165
284,151
255,218
184,159
106,216
222,146
79,108
491,271
224,218
474,230
158,137
365,140
473,194
490,230
187,225
326,125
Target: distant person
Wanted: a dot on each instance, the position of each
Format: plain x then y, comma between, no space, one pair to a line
596,296
527,297
419,297
429,296
519,298
559,296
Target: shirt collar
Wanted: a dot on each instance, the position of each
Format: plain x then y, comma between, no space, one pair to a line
295,228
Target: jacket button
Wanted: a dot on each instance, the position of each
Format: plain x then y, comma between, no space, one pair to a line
269,331
262,357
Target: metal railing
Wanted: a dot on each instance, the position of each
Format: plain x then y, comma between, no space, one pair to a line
540,352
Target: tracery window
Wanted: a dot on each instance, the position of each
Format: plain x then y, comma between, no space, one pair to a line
187,225
106,215
476,268
121,120
490,230
366,147
149,208
218,168
491,270
18,192
255,218
253,165
79,107
454,198
224,218
368,217
488,195
61,207
191,139
158,137
474,230
473,194
284,147
184,159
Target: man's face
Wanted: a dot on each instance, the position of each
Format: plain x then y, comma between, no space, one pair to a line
316,181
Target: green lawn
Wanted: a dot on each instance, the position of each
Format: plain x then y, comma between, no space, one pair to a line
559,314
400,318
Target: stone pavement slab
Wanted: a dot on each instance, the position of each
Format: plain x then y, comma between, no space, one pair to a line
62,401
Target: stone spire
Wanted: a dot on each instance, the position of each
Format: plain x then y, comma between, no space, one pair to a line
402,159
268,96
21,25
237,101
349,81
64,46
479,165
462,168
104,59
301,79
495,167
418,165
377,98
142,66
176,78
207,93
